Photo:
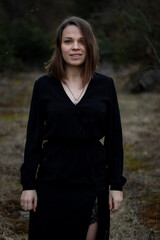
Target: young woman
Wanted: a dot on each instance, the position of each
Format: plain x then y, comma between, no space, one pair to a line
70,179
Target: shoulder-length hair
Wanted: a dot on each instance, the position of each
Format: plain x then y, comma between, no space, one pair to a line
56,65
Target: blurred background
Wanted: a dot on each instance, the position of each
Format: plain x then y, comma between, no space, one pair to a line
128,35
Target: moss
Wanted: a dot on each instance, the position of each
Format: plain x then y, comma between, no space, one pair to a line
134,162
150,210
8,116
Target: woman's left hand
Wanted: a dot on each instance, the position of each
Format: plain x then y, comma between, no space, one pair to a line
115,200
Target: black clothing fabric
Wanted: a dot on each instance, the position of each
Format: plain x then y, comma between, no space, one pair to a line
94,216
72,167
65,213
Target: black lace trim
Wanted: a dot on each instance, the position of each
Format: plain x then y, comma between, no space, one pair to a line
94,216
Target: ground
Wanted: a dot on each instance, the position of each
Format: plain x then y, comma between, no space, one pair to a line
139,216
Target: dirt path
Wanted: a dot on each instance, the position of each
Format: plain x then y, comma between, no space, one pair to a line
139,217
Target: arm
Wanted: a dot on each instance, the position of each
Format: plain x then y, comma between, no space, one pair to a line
114,149
33,150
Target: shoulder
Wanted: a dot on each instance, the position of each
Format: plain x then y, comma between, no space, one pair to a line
104,79
45,82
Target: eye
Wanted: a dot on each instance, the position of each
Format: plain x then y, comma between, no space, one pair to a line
81,41
67,41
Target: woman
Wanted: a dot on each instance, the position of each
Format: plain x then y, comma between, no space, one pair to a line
70,179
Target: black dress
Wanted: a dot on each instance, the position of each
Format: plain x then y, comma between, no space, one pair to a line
65,161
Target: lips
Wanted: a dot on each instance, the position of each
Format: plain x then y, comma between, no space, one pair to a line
75,55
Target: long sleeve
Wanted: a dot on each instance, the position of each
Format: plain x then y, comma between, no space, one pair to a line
33,147
114,144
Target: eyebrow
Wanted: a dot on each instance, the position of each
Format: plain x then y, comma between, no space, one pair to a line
72,38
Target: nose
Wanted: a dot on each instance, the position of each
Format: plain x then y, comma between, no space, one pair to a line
75,45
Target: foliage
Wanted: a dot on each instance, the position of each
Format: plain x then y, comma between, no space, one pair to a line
29,41
126,31
7,59
105,46
24,45
139,22
141,30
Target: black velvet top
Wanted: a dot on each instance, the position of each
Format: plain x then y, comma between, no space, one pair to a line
54,117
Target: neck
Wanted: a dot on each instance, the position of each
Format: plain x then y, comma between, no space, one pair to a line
73,73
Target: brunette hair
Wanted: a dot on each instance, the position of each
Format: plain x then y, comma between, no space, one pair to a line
56,65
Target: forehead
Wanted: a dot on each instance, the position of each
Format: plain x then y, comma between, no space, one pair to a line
72,31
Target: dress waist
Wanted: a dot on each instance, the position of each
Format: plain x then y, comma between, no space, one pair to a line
63,141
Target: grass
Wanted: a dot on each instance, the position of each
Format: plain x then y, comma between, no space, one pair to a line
138,218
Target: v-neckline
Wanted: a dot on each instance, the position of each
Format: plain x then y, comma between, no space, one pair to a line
82,98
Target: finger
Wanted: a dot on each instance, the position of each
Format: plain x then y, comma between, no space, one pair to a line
111,206
23,202
117,205
110,203
114,208
35,203
29,205
25,205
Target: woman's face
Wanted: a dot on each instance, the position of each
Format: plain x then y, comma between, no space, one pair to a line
72,46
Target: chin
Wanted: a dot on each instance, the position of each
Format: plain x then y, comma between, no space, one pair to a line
77,64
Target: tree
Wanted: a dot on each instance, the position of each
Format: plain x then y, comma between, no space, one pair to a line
138,27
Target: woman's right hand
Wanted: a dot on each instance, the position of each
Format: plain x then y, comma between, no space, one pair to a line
28,200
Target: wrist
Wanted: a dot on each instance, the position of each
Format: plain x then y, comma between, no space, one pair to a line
115,187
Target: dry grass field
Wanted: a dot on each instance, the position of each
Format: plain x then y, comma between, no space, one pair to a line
139,216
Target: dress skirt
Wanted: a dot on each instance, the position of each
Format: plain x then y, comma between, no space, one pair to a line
65,213
66,202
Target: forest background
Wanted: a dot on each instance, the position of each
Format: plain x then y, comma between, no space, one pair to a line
128,35
126,31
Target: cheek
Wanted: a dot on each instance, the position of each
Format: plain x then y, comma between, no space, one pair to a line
64,52
85,54
84,50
